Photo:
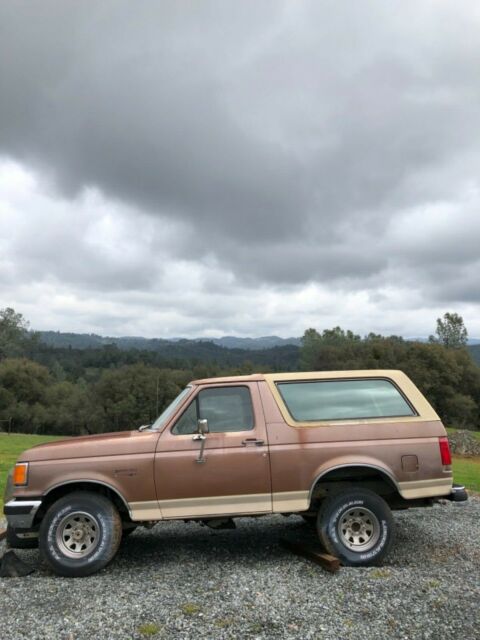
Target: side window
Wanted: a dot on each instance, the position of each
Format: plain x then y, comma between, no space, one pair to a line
225,408
344,400
187,423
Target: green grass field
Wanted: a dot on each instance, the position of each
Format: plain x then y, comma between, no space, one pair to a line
11,446
465,470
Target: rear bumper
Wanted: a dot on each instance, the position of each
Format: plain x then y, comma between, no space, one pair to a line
21,513
458,494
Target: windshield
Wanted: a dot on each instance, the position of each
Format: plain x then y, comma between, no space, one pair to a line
166,413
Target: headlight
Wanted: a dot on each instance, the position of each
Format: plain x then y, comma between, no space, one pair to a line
20,474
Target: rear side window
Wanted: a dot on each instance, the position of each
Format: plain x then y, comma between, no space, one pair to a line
343,399
225,408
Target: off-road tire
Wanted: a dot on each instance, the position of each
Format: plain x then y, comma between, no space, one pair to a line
80,534
357,526
15,541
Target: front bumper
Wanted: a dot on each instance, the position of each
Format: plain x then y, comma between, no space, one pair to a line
458,494
21,513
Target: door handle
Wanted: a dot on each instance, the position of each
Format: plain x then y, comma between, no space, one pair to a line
256,442
199,437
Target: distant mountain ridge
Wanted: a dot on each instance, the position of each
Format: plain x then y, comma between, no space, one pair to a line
174,353
61,339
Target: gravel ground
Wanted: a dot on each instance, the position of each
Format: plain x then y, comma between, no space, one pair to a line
186,581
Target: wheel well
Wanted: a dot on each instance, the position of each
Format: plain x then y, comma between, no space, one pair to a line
355,476
92,487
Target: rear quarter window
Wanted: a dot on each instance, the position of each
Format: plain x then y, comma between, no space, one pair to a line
320,400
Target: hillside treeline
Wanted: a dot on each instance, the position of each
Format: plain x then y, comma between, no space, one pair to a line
69,391
446,374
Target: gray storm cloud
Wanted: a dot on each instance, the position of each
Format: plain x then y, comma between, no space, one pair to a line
285,143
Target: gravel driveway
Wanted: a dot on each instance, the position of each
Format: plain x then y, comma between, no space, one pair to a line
186,581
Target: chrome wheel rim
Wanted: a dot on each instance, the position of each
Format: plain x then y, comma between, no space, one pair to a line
78,534
358,529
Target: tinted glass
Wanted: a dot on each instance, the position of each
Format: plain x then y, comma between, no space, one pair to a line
163,417
187,423
225,408
343,400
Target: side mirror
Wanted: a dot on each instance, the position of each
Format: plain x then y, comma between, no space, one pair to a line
202,426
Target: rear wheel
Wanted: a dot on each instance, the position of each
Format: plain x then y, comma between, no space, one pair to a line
80,534
356,526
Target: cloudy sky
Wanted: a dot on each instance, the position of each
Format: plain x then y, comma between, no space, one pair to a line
248,168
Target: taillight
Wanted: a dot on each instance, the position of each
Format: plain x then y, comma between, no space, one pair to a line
445,450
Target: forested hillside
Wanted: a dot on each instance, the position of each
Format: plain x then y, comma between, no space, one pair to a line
64,390
475,352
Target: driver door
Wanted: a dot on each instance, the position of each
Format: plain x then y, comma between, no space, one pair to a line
232,476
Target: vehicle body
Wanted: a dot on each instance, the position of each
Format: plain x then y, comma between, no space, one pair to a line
340,447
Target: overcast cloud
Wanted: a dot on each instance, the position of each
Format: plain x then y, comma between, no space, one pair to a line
209,168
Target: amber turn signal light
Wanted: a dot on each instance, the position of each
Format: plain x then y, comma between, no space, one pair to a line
20,474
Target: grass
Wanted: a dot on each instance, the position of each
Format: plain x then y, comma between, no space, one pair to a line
466,471
190,608
380,573
149,629
11,446
223,623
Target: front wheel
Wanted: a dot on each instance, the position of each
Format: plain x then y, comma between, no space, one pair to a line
356,526
80,534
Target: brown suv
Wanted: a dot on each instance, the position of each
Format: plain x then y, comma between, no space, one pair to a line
340,449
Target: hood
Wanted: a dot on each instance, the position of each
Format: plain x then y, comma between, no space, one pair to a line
105,444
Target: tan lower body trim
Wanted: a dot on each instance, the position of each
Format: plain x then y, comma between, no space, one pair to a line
145,511
287,501
425,488
216,506
256,503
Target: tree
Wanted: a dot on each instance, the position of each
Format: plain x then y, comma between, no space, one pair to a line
311,341
23,386
128,396
13,331
333,349
71,409
451,331
338,336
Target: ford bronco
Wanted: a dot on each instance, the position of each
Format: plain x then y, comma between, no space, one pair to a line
342,449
